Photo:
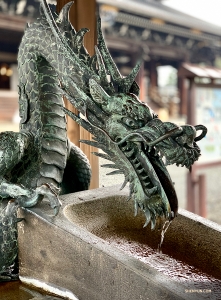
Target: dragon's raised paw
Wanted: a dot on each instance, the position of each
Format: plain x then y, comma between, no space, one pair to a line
48,190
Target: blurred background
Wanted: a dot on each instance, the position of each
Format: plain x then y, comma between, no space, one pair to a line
180,78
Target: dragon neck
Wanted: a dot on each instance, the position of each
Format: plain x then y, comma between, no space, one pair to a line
41,105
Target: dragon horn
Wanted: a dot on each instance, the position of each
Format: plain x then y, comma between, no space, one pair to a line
101,66
127,82
63,17
112,68
135,89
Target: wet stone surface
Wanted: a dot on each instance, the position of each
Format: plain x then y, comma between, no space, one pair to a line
192,278
190,255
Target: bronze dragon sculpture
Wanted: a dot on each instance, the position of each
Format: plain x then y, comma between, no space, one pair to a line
40,161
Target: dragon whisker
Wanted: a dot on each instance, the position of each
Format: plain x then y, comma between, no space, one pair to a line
133,137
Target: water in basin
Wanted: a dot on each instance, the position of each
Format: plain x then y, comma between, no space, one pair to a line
184,258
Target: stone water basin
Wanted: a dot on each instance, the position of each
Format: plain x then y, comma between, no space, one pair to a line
15,290
96,249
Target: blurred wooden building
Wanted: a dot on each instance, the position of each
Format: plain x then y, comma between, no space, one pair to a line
160,35
133,29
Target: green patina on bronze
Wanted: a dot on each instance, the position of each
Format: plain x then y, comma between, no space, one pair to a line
40,160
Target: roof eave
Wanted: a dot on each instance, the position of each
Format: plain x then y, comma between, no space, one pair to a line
165,13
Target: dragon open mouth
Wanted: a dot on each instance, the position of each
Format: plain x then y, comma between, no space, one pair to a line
159,198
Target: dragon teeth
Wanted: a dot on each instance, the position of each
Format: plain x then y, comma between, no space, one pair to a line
140,171
144,178
128,154
137,165
151,191
135,160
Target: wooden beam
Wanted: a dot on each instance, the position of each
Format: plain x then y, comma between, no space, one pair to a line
12,23
83,14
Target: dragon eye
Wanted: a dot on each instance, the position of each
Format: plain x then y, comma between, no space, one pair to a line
130,122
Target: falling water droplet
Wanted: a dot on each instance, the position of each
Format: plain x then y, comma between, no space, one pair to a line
164,229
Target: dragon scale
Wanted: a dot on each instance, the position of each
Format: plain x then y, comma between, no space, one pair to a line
48,122
40,160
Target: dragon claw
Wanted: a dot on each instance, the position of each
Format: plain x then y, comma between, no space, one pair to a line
28,200
51,192
56,210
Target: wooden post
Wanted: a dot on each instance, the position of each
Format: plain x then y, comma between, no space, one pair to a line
183,90
191,191
202,195
153,74
82,14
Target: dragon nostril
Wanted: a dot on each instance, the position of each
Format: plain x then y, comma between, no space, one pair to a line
125,144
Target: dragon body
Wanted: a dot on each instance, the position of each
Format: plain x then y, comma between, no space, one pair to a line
40,161
8,236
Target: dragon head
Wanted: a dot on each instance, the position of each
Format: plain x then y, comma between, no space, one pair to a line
138,144
137,141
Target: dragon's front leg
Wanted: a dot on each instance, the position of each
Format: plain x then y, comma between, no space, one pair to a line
8,189
48,190
27,197
12,149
